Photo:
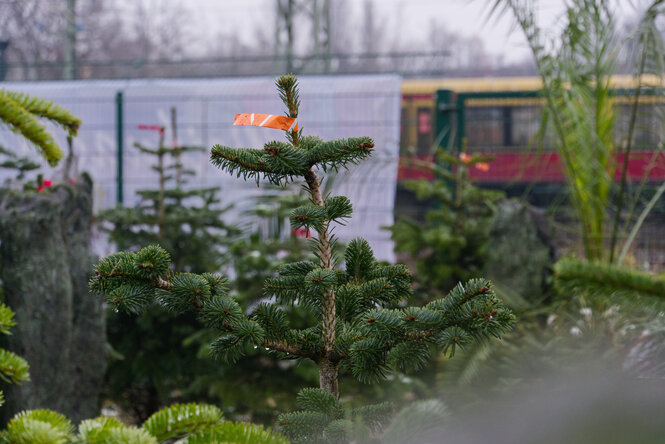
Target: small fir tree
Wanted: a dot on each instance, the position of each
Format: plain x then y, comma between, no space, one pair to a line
186,221
359,327
450,244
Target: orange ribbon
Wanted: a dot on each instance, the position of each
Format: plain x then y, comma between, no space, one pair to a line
267,121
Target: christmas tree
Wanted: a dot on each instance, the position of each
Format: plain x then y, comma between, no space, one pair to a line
360,327
187,222
450,244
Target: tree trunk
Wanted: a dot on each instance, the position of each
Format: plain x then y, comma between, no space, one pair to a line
327,365
328,376
45,261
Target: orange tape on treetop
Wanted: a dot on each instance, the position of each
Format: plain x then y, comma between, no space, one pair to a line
267,121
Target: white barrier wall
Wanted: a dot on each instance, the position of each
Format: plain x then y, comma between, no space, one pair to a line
332,107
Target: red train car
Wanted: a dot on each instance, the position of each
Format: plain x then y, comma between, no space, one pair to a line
501,117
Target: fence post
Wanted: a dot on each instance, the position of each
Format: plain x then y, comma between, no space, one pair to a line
120,138
445,107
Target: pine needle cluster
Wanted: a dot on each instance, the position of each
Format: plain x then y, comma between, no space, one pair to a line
21,113
361,327
184,423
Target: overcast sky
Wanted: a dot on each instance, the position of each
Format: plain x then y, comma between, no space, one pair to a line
467,17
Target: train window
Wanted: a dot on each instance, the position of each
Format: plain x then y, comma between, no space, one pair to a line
484,128
424,130
648,131
525,126
648,127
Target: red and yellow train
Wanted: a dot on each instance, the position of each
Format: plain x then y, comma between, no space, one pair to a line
501,117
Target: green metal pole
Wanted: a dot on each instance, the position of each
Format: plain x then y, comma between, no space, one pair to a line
69,72
445,108
119,133
461,122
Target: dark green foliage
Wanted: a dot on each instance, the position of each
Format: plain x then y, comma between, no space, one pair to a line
309,216
45,262
450,244
20,164
281,163
322,419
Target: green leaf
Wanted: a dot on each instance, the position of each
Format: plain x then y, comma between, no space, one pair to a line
338,208
188,291
409,356
308,216
6,319
39,427
13,368
320,279
106,430
272,319
47,110
303,426
151,262
296,268
131,297
451,338
359,258
221,313
319,401
236,433
180,420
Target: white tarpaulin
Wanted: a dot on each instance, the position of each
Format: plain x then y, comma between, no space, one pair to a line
332,107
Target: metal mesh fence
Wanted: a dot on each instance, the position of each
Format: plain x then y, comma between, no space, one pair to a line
332,107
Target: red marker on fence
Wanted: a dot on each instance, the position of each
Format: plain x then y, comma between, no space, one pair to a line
152,128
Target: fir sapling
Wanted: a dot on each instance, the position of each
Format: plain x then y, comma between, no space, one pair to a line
361,327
